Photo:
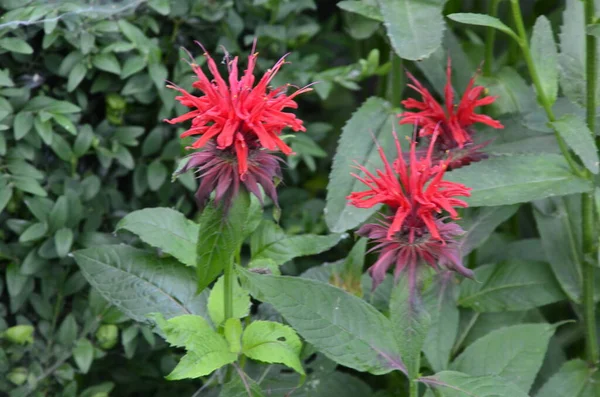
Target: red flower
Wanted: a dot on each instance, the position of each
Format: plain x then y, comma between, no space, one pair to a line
415,193
218,171
454,121
236,112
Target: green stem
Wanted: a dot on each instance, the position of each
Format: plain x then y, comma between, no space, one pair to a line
587,202
228,290
541,95
395,79
413,387
489,41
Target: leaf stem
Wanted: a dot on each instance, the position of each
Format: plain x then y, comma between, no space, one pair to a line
541,95
489,41
413,385
395,79
587,202
228,290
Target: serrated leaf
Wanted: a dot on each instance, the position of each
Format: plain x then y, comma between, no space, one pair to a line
516,179
272,342
270,243
415,27
374,117
216,302
456,384
139,283
107,62
574,379
578,136
362,8
440,303
483,20
166,229
545,57
342,326
480,224
515,353
510,286
411,323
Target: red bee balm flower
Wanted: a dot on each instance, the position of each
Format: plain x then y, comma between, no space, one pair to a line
416,194
237,112
454,120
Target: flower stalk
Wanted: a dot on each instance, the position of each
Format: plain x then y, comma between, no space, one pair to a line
489,41
587,201
541,95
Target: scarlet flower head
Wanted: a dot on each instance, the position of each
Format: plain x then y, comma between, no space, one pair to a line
416,195
218,171
454,121
237,111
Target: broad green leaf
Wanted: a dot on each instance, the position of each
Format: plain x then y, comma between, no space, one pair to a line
216,302
575,379
440,303
107,62
5,80
22,124
65,123
545,57
375,118
270,243
515,353
221,236
6,193
456,384
61,147
513,94
157,175
14,44
481,223
510,286
34,232
20,334
342,326
139,283
166,229
67,332
160,6
578,136
63,239
361,7
516,179
207,351
29,185
158,73
483,20
132,65
558,222
50,105
59,214
83,353
272,342
411,323
232,330
76,75
44,130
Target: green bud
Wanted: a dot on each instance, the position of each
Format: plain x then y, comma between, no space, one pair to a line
21,334
17,376
107,336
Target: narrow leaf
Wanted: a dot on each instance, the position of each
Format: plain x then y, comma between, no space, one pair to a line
577,135
483,20
480,225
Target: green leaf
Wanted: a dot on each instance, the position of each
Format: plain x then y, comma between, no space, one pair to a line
22,124
67,332
574,379
65,123
516,179
216,302
411,323
6,193
578,136
515,353
34,232
83,142
478,226
207,351
133,65
270,243
545,57
107,62
157,175
139,283
29,185
44,129
456,384
483,20
415,27
83,353
76,75
160,6
374,117
232,331
59,214
510,286
50,105
61,147
5,80
221,236
63,240
14,44
272,342
166,229
20,334
361,7
342,326
237,388
440,302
